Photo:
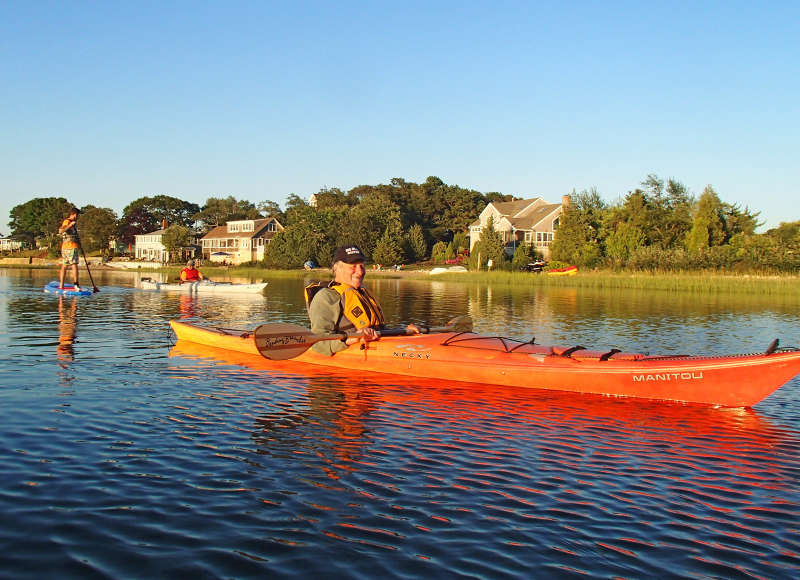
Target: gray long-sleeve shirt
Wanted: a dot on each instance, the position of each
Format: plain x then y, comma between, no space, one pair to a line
324,313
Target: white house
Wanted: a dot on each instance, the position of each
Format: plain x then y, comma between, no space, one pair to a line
10,245
528,221
239,241
148,247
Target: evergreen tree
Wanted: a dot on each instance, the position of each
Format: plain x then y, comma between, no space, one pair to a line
438,252
389,249
417,248
460,242
449,253
576,241
708,228
623,242
490,246
523,255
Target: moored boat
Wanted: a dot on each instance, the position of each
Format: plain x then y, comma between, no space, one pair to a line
732,381
566,271
203,286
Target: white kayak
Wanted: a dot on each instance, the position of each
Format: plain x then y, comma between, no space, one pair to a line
204,286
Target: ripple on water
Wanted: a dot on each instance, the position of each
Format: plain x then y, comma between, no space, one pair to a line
120,461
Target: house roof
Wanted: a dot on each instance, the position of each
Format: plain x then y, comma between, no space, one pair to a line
523,214
530,220
510,209
258,227
155,233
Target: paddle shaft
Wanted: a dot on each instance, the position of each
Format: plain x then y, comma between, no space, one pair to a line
282,341
88,270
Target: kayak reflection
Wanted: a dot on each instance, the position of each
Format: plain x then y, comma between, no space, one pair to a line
347,411
334,419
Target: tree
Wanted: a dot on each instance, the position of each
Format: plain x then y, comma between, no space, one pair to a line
218,211
415,241
332,197
97,226
174,238
577,239
147,214
523,255
271,209
669,212
438,252
38,218
389,249
490,246
708,228
366,222
623,242
460,242
458,208
311,234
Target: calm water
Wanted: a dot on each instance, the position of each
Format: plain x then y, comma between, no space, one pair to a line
123,457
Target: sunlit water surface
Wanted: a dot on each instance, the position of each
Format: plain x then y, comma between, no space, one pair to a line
123,457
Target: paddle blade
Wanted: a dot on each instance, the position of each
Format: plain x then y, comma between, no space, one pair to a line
460,324
282,341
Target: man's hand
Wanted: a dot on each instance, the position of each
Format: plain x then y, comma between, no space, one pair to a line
367,335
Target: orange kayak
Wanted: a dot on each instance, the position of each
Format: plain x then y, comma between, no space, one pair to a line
567,271
730,381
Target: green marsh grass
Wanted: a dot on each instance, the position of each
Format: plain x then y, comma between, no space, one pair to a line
706,282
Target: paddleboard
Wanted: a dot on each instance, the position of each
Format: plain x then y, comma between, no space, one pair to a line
68,290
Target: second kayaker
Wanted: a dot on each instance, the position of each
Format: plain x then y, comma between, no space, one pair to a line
344,305
190,273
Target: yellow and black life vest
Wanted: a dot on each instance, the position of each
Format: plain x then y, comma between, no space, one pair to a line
69,237
356,304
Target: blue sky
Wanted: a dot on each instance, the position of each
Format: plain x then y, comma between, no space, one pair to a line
105,102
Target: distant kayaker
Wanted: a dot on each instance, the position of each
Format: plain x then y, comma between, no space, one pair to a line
190,273
69,247
345,305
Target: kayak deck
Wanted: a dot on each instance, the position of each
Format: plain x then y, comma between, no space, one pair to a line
733,381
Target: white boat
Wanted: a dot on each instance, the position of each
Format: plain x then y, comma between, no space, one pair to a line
450,270
203,286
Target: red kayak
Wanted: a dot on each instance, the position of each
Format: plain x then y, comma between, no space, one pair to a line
731,381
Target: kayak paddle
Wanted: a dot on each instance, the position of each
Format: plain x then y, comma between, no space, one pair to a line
282,340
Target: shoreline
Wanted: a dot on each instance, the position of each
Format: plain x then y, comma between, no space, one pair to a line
699,282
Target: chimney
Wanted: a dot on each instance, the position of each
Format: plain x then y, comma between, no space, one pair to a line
565,201
164,224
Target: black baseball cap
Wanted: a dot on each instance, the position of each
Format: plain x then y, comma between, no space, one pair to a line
348,254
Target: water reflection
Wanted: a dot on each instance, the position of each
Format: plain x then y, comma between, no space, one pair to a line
344,408
332,420
67,323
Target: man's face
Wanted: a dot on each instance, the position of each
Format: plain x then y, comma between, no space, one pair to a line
351,274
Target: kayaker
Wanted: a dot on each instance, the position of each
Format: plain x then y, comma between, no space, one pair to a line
345,305
190,273
69,247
